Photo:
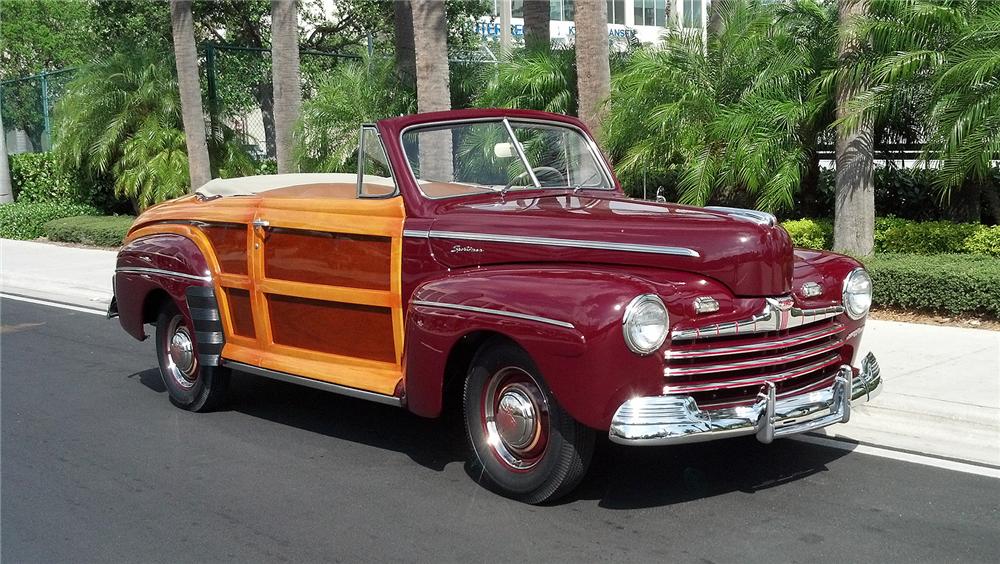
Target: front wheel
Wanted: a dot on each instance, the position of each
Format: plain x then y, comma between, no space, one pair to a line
523,444
190,385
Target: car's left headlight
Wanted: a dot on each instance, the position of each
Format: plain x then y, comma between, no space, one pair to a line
645,324
857,293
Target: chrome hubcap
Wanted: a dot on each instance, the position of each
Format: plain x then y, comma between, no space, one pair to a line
180,361
515,417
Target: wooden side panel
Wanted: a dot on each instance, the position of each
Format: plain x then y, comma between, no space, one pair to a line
351,330
331,259
230,244
242,312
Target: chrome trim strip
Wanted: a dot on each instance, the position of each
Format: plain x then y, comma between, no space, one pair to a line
757,362
490,311
753,380
757,347
572,243
317,384
772,318
160,271
758,217
677,419
419,234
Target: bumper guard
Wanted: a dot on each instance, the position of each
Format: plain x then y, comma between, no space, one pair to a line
677,419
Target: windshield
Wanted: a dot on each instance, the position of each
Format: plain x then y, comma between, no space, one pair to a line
497,156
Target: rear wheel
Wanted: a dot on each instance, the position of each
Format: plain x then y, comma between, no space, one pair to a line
190,385
523,444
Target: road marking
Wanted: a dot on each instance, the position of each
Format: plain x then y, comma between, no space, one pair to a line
943,463
52,304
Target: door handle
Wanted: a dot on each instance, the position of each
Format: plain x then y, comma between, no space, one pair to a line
261,224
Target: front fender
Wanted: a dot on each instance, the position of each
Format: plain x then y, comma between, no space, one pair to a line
567,318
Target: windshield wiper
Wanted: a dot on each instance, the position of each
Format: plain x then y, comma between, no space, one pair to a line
579,185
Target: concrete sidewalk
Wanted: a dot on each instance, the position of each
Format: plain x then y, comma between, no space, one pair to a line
942,384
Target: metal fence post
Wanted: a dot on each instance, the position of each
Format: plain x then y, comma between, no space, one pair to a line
46,122
213,94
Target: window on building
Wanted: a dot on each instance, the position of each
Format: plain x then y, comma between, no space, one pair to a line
616,11
517,9
561,10
650,12
692,13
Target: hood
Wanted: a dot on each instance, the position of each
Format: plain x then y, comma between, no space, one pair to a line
751,258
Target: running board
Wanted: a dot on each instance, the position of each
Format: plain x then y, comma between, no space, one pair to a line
309,382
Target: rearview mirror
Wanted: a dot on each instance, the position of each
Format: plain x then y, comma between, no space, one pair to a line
503,150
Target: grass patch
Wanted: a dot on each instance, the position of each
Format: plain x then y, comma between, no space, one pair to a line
99,231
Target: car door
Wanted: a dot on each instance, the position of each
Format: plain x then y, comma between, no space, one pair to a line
325,261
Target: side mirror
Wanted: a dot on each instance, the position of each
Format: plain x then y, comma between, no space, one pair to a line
503,150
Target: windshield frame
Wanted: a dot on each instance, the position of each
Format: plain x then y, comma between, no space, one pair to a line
507,122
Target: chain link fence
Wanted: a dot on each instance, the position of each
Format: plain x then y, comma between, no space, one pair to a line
26,105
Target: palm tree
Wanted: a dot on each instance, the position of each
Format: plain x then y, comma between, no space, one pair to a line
430,39
402,21
186,57
854,210
121,117
537,80
536,25
939,58
353,93
287,84
593,66
735,123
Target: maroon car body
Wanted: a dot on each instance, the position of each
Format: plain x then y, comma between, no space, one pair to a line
758,337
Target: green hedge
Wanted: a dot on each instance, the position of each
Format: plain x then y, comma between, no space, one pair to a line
894,235
36,177
101,231
24,220
986,241
946,283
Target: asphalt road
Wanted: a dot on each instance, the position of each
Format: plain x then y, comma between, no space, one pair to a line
98,466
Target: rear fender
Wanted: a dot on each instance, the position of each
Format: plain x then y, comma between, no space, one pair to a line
154,267
568,319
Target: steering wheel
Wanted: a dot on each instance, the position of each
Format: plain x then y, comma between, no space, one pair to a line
540,171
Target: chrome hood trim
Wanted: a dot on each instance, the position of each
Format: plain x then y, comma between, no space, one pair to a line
779,314
553,242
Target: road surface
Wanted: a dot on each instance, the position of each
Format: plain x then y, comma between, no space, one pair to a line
97,466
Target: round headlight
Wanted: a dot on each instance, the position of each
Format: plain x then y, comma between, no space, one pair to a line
645,324
857,293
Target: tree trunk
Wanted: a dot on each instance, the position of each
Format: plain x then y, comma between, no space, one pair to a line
715,9
285,77
406,63
6,188
264,95
536,25
430,39
186,56
854,212
593,67
809,195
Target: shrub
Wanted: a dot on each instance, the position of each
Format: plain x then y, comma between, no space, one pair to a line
810,233
100,231
985,241
946,283
24,220
894,235
37,177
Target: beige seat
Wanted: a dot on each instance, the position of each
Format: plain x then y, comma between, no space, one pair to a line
250,185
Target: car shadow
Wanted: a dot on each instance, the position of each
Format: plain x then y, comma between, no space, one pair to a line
623,477
620,477
151,379
432,443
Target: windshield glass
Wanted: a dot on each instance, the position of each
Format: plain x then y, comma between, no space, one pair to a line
497,156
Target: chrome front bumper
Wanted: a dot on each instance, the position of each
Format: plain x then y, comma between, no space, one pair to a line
676,419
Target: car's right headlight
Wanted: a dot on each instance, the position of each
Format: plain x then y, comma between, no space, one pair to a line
857,293
645,324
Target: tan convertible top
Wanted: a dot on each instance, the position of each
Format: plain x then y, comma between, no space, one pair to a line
249,185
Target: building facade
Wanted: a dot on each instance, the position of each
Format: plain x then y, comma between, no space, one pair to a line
639,20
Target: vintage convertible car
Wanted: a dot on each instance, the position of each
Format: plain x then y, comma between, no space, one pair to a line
490,257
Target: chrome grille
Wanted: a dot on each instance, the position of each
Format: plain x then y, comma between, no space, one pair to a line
730,369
